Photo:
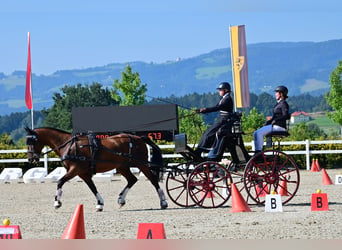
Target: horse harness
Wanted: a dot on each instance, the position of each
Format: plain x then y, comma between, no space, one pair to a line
94,146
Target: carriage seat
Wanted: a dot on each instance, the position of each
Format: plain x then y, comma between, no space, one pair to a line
280,134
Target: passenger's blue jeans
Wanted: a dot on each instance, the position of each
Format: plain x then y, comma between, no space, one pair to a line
262,132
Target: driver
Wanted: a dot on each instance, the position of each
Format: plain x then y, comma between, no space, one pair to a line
225,106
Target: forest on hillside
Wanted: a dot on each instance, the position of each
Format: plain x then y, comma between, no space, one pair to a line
264,103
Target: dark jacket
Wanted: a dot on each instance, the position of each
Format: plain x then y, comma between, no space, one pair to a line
225,106
280,114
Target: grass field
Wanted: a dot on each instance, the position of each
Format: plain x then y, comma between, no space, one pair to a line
324,122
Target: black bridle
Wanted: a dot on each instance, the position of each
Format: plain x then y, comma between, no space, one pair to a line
31,142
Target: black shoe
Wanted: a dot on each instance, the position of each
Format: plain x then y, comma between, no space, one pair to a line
198,152
257,157
256,152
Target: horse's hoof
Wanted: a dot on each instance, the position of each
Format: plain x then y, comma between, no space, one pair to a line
99,208
121,202
57,204
163,205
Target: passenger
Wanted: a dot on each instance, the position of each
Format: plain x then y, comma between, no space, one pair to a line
225,106
278,120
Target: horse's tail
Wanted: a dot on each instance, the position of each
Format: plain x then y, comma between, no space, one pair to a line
157,162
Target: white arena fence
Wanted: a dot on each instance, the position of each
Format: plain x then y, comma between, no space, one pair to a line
307,152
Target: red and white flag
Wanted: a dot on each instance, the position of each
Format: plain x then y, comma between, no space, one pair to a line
28,92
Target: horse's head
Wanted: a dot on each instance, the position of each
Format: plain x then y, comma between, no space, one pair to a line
34,147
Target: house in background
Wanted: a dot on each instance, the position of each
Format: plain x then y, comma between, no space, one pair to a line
299,116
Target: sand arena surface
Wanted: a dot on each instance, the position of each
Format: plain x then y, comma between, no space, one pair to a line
31,207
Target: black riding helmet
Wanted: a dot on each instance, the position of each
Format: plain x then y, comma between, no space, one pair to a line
282,89
224,85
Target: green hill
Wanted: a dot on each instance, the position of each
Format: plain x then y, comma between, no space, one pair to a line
325,123
304,67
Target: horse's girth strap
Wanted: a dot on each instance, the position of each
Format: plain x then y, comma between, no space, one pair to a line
130,146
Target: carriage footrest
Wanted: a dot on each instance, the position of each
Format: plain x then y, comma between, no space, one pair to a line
180,143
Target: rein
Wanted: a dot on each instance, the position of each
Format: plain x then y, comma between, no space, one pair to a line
72,139
139,126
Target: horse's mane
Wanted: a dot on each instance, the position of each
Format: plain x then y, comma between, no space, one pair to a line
55,129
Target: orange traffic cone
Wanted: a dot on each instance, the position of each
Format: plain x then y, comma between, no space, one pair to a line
75,228
326,178
313,166
282,188
238,202
262,190
317,165
209,194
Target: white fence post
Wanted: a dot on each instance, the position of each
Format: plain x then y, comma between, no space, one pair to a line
45,159
307,153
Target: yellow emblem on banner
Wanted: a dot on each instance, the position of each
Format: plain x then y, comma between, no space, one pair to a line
239,62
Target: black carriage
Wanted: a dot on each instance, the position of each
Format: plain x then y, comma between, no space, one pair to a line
208,183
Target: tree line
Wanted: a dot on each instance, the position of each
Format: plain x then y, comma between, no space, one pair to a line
59,115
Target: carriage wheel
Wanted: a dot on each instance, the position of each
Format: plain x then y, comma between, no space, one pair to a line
209,185
271,171
176,185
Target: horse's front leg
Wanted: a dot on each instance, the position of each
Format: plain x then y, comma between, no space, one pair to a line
68,176
59,192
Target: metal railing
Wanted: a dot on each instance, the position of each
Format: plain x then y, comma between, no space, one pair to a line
307,152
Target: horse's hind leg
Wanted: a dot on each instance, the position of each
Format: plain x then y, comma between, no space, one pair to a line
100,203
131,180
154,180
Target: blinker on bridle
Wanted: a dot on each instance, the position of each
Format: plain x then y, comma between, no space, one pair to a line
31,140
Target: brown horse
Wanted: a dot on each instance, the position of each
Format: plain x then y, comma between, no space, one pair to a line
121,151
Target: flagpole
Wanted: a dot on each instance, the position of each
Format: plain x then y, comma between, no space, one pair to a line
32,118
232,62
